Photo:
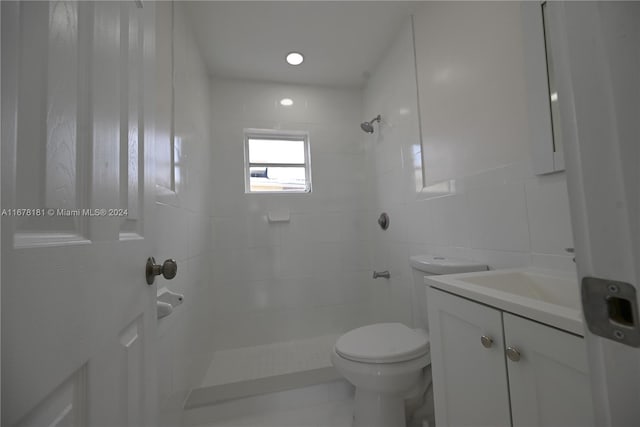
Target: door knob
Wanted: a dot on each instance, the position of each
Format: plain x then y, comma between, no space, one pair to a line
513,354
168,269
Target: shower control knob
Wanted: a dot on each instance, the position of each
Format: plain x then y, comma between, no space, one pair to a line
168,269
486,341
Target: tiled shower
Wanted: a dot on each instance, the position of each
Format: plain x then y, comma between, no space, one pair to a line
253,284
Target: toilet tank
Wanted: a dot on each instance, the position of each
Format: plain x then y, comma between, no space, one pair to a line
431,265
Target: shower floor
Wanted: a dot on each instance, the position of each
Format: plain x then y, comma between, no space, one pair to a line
249,371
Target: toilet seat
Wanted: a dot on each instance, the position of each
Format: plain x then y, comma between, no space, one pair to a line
382,343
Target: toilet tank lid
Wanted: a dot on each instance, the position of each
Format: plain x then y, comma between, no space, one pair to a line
435,264
383,343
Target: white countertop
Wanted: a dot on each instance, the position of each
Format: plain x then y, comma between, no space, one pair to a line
546,296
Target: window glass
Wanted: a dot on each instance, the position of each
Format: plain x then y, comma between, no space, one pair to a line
276,151
277,163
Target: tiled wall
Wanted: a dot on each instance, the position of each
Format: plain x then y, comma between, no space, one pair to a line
183,217
482,201
281,281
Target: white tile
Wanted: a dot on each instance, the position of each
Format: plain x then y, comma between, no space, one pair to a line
183,232
356,255
399,304
200,241
496,259
293,292
172,242
381,255
228,264
327,227
229,232
390,190
297,231
254,410
399,260
261,263
354,226
296,260
326,259
554,262
420,222
267,360
259,231
340,391
549,216
325,415
240,296
498,218
285,324
301,413
341,289
450,220
337,138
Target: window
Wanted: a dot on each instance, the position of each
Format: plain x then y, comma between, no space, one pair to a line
276,162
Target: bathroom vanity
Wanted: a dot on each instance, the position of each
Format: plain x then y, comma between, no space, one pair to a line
507,349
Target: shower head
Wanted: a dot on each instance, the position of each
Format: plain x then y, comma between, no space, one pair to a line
368,126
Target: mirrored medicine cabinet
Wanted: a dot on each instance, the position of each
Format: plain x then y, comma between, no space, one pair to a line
545,136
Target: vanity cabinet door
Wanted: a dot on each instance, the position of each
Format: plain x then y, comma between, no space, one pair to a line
550,381
469,375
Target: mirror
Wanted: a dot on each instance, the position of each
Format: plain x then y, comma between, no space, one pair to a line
545,135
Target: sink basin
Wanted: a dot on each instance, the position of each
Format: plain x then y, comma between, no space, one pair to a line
549,297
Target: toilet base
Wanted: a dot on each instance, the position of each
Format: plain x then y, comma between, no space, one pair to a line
372,409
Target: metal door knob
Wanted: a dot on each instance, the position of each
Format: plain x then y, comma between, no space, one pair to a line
168,269
486,341
513,354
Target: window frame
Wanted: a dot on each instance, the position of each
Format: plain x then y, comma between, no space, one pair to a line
280,135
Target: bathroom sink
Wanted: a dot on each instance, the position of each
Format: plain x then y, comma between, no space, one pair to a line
549,297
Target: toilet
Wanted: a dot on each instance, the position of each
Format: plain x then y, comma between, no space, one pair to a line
389,363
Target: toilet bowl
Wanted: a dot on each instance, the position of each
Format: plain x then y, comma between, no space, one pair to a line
389,363
384,362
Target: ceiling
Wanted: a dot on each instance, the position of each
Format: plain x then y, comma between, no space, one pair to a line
341,40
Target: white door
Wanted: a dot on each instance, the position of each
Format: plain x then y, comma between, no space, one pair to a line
78,322
597,49
469,376
549,383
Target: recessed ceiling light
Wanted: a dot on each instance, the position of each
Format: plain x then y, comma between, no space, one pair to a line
286,102
295,58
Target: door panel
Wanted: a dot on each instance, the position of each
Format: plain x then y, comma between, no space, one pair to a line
469,380
65,406
597,68
77,136
550,383
47,54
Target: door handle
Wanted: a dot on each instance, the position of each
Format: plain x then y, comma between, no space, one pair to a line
168,269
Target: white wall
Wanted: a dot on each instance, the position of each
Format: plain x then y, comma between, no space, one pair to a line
308,277
183,216
482,200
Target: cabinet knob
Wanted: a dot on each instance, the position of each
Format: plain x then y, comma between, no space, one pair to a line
486,341
513,354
